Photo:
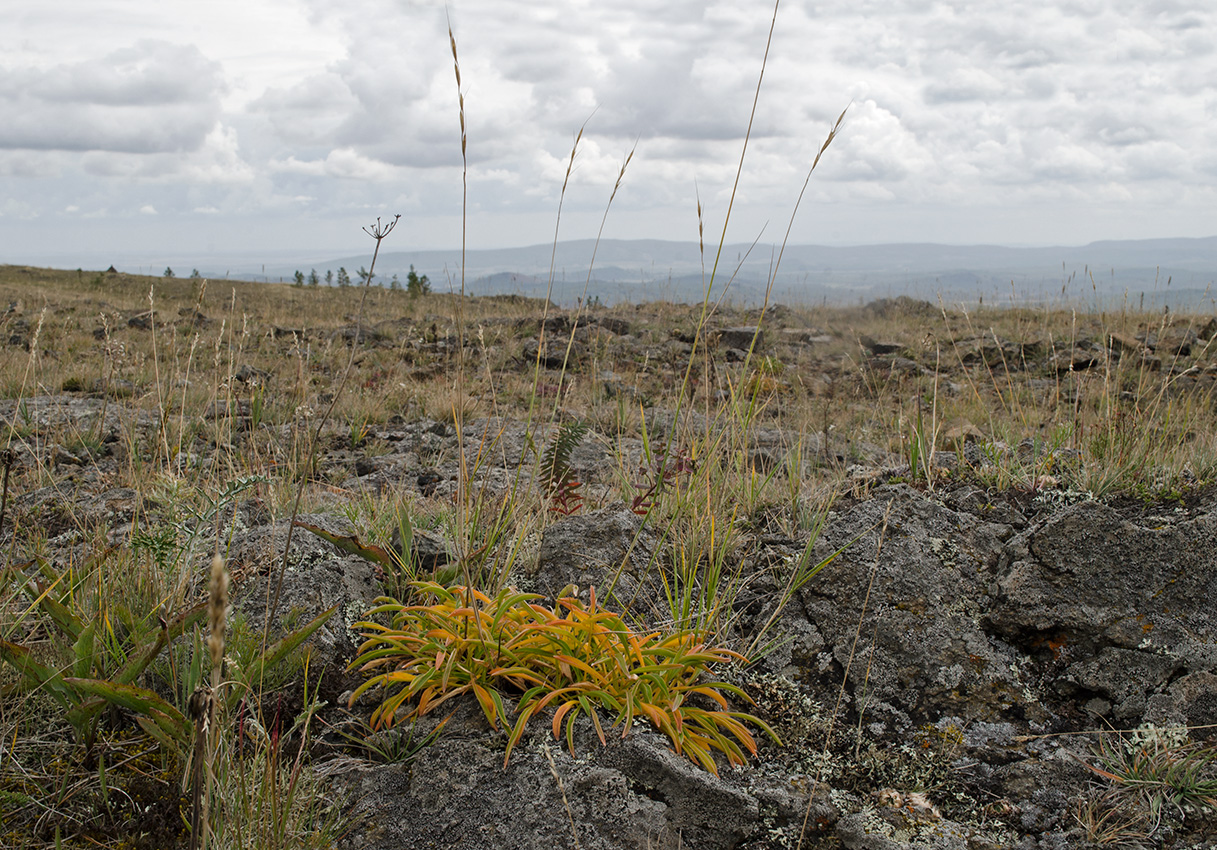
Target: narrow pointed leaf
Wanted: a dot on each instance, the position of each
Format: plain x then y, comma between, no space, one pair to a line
283,647
351,544
140,700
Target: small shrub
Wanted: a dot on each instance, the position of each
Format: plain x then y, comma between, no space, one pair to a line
416,285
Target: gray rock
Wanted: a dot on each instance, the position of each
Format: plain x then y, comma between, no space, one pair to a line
631,794
316,578
1189,701
711,812
610,549
1113,608
1122,676
741,338
858,832
878,347
554,353
920,651
613,325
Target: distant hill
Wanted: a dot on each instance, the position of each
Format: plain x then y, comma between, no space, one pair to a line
1160,271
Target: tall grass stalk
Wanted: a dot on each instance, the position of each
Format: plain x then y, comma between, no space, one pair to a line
735,420
591,265
458,412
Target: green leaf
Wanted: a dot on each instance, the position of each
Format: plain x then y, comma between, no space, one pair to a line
140,700
139,659
64,619
39,675
283,647
166,740
517,731
351,544
83,651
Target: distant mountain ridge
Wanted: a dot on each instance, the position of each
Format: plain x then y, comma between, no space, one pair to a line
1181,269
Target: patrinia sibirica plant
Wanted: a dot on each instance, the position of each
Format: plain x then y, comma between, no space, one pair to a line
573,658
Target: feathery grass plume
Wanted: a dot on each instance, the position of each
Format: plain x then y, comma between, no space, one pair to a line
217,616
553,266
458,408
591,265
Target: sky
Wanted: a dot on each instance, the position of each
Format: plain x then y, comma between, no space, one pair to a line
140,130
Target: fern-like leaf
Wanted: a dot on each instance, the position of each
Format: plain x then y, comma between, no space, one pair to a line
555,461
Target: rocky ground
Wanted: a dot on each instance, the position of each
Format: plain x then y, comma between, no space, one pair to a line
932,685
980,636
987,662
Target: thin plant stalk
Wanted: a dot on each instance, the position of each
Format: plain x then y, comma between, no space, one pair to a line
378,232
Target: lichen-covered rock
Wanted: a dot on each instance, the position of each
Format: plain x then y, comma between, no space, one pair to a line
315,578
902,606
1188,701
1114,612
634,793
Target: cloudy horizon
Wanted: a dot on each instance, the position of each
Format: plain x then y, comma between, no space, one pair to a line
140,130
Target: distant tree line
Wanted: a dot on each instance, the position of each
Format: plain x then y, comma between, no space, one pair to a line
416,284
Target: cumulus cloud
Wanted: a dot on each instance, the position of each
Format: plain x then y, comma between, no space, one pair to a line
343,163
217,160
1016,99
148,98
32,165
309,112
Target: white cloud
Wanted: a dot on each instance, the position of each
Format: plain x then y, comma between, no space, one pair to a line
14,208
252,109
964,84
344,163
31,165
147,209
148,98
218,160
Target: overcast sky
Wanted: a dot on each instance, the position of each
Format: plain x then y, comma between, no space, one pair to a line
135,128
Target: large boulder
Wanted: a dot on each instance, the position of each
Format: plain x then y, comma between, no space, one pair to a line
315,578
1118,615
612,550
632,793
902,607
